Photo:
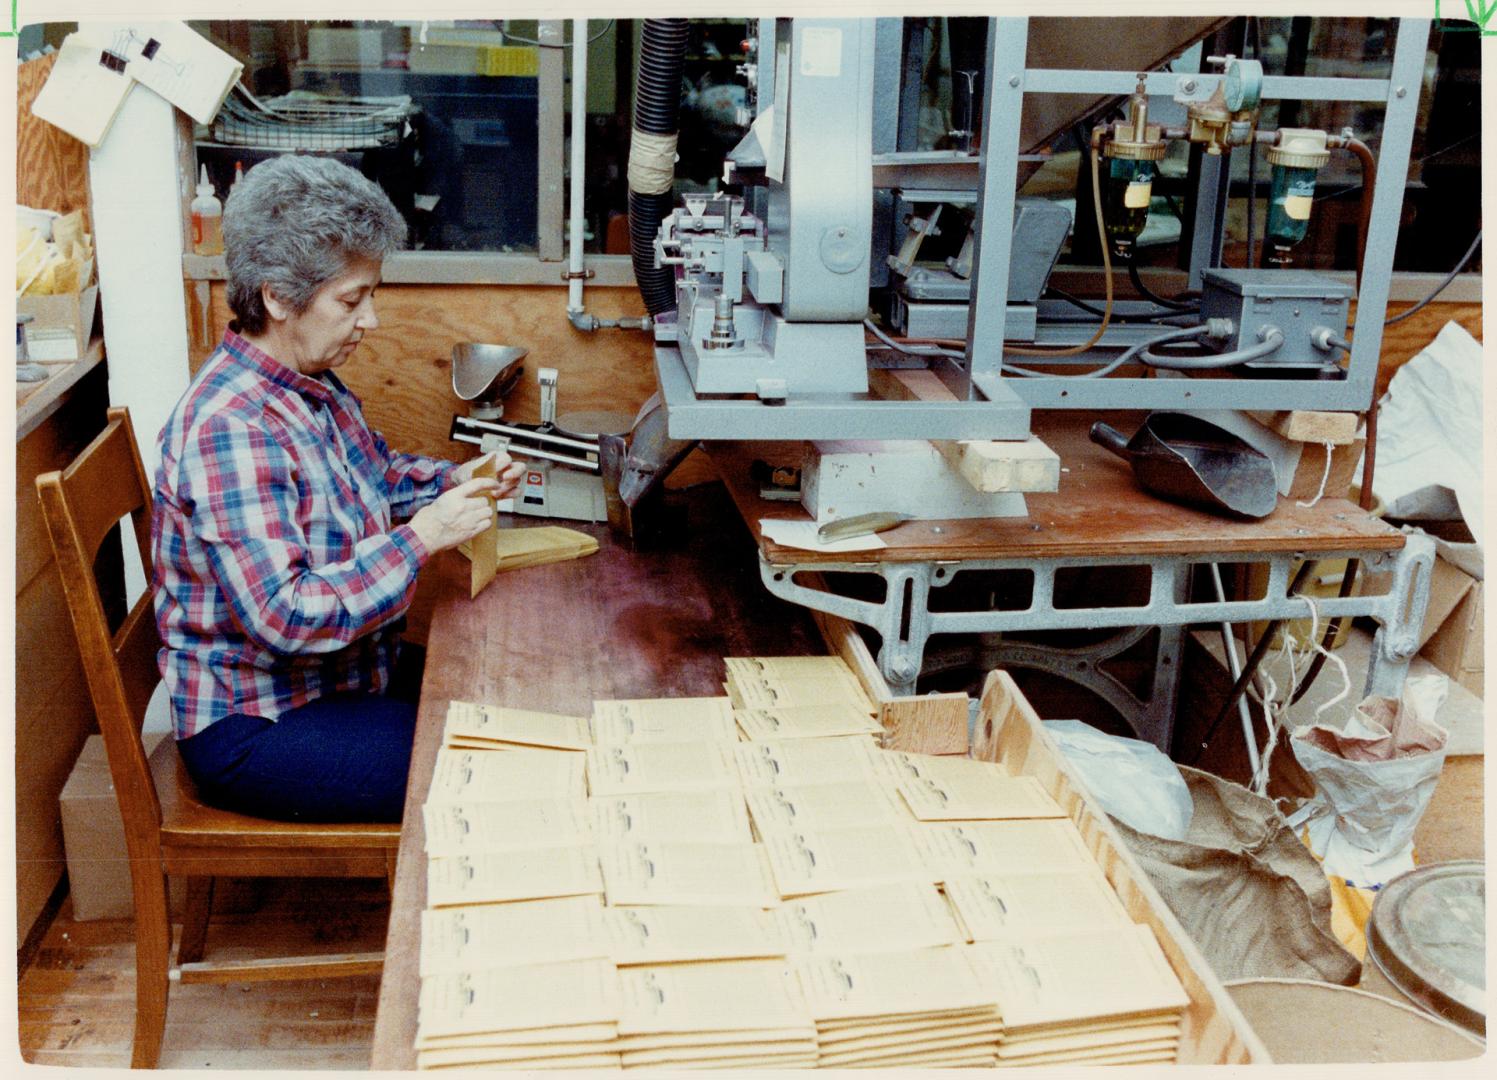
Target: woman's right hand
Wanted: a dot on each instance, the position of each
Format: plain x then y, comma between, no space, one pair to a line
458,514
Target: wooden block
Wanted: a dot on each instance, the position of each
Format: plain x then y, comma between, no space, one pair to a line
1303,425
1004,466
1344,461
929,724
988,465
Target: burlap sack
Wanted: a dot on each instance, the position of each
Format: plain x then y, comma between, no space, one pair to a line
1254,900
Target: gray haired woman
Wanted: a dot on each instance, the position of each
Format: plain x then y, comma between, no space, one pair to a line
281,574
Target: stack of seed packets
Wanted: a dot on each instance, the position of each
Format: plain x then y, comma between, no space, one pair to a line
508,826
883,918
707,719
541,1016
789,683
492,727
925,1007
732,1014
960,789
1010,907
1099,997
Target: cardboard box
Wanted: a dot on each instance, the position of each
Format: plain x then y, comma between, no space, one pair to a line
1457,647
60,325
94,838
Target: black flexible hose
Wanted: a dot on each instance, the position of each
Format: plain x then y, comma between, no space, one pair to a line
1250,668
657,111
1153,297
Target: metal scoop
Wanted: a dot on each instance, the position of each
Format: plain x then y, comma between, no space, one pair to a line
1189,460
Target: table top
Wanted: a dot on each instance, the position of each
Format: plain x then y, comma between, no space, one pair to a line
617,624
1099,511
39,400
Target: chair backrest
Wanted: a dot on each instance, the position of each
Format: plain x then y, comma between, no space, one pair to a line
81,506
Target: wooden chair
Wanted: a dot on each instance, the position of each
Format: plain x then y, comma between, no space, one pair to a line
168,830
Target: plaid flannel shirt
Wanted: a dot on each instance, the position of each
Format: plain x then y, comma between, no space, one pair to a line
278,576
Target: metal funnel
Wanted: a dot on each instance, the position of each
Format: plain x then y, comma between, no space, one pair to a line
483,374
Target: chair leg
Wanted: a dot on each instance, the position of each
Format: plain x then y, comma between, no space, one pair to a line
195,920
153,940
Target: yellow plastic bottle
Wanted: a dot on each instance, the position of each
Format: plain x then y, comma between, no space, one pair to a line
207,218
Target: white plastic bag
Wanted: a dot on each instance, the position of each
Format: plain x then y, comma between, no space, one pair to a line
1374,778
1132,779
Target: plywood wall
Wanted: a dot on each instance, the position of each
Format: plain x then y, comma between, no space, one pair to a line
51,166
403,371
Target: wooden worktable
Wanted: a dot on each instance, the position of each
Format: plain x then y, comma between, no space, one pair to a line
617,624
1099,511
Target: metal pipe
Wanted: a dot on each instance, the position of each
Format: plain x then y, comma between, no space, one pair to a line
579,161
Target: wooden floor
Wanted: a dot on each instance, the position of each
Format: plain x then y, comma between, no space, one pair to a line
77,996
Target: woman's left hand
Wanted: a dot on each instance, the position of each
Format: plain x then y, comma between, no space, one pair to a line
506,470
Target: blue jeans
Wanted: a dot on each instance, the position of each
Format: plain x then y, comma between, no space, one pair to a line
339,758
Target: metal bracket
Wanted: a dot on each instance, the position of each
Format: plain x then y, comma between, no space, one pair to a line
574,275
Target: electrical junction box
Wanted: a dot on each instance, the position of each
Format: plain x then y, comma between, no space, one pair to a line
1297,302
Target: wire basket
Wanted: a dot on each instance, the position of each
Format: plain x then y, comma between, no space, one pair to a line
302,120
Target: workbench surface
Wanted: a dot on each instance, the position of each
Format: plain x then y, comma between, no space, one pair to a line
1099,511
617,624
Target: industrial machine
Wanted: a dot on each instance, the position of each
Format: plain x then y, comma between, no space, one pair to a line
794,304
760,295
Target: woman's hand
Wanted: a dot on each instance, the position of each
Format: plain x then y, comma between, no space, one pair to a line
458,514
506,469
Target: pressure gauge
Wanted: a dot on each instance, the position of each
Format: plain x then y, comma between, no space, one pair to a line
1243,85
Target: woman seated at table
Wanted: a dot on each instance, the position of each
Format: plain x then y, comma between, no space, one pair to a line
281,577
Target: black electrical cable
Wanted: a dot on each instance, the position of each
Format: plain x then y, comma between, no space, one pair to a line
1250,668
1152,316
1438,289
1150,295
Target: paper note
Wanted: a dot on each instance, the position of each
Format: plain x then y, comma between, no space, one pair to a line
821,806
179,64
484,776
885,918
675,873
1001,907
460,828
691,719
82,96
662,935
829,859
725,997
802,534
512,935
505,999
534,874
889,984
520,727
1047,980
774,763
1020,846
807,722
955,789
701,816
635,768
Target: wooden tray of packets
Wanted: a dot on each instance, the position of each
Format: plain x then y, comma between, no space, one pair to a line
753,881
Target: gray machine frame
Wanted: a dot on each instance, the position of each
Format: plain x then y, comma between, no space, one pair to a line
992,406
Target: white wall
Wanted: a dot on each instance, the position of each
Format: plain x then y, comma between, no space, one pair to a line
136,191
